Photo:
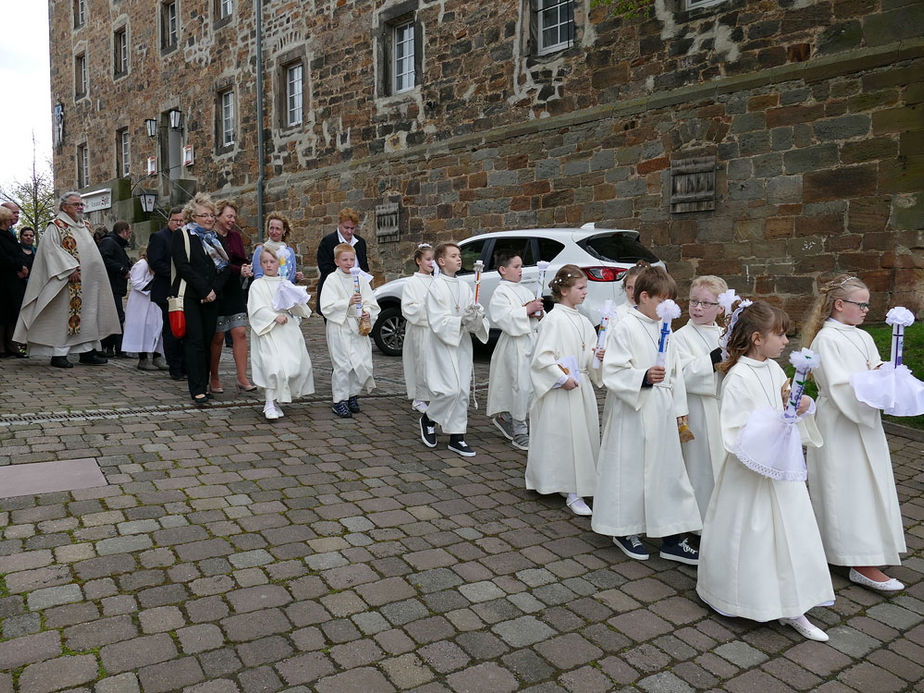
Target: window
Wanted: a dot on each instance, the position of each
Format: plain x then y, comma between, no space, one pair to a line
403,51
83,166
617,247
470,253
225,9
123,154
120,52
294,94
696,4
555,25
80,13
549,249
169,35
226,118
509,247
80,76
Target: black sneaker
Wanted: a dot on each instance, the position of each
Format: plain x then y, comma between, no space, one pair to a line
427,432
353,405
341,410
61,362
458,445
91,358
632,546
680,551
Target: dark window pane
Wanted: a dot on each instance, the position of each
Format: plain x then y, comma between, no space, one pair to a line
470,253
617,247
548,249
512,246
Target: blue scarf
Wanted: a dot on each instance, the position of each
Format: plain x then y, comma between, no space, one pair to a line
211,245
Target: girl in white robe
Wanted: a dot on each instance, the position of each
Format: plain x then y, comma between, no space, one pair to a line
279,357
417,328
761,554
563,419
642,484
143,329
350,351
850,479
515,311
698,349
453,316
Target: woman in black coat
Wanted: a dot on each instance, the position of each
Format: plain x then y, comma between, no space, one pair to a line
205,268
12,272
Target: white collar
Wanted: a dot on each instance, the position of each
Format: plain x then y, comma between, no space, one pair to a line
340,238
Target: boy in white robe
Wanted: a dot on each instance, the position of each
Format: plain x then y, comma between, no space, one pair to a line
516,312
279,357
642,484
143,320
453,316
698,349
350,351
417,328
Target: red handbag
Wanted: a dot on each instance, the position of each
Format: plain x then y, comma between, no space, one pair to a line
175,312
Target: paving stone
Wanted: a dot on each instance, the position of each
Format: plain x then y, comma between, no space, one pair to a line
741,654
200,638
260,597
220,662
586,680
357,653
259,680
30,648
86,636
134,542
523,631
70,614
123,683
665,682
255,625
136,653
306,668
55,674
216,686
406,671
482,677
22,624
444,656
161,619
264,651
170,676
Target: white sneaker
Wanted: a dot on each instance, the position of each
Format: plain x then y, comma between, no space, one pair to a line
806,629
271,412
419,405
578,506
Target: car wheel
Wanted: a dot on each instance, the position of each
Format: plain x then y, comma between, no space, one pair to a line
388,331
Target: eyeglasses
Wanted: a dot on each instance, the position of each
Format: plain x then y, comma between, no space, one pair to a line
703,304
861,306
203,216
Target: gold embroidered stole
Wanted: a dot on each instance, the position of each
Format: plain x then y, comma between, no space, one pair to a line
74,289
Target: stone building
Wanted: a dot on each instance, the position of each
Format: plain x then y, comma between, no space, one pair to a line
773,143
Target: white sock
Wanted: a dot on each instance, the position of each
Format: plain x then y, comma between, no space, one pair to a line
571,497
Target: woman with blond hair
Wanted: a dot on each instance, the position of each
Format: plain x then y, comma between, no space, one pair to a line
277,232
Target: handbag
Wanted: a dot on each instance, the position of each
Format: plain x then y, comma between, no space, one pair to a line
175,312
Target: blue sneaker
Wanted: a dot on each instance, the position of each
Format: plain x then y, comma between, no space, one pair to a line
632,546
679,551
341,410
353,405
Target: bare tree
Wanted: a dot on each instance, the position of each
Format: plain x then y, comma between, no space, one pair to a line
35,195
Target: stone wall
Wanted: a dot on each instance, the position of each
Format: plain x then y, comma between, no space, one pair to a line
812,111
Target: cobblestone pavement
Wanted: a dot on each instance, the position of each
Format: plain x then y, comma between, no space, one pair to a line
231,554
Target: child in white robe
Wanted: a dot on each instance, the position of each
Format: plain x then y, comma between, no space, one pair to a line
279,357
142,332
563,418
761,554
628,285
850,478
642,484
515,311
453,316
417,328
350,351
699,352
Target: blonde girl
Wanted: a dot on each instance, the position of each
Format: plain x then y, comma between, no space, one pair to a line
417,327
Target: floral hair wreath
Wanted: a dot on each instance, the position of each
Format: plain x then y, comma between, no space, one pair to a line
423,245
558,280
727,300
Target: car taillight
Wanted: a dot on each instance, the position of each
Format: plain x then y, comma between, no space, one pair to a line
604,274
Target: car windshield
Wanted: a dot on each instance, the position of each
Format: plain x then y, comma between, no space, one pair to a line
617,247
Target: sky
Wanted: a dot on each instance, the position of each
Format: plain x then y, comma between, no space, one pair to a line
25,75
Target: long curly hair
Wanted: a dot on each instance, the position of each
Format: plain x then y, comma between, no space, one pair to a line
758,317
566,277
839,288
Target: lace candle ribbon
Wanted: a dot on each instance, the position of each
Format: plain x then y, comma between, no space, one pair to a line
667,311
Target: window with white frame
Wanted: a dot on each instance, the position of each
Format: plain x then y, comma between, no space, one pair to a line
80,13
80,75
225,8
294,102
83,166
226,118
123,153
403,52
169,31
555,25
696,4
120,52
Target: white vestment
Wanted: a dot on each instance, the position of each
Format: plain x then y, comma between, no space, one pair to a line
704,454
43,319
449,353
564,424
642,484
761,555
278,355
144,322
416,334
509,388
350,352
850,479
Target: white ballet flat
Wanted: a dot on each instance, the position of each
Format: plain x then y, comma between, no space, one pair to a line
890,585
805,628
578,506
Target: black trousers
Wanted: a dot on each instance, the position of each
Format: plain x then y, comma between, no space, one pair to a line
200,328
173,347
114,341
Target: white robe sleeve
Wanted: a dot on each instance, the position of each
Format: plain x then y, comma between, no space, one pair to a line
369,304
695,362
621,372
444,323
413,298
334,301
140,276
836,356
507,311
544,372
678,387
260,312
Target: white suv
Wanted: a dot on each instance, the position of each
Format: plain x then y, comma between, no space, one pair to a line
603,254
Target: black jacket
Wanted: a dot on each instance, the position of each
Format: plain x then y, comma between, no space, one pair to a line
198,270
160,250
112,248
326,258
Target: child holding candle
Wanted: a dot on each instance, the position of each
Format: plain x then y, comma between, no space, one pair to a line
762,556
850,478
563,417
642,484
417,327
453,315
515,311
350,351
699,352
279,358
